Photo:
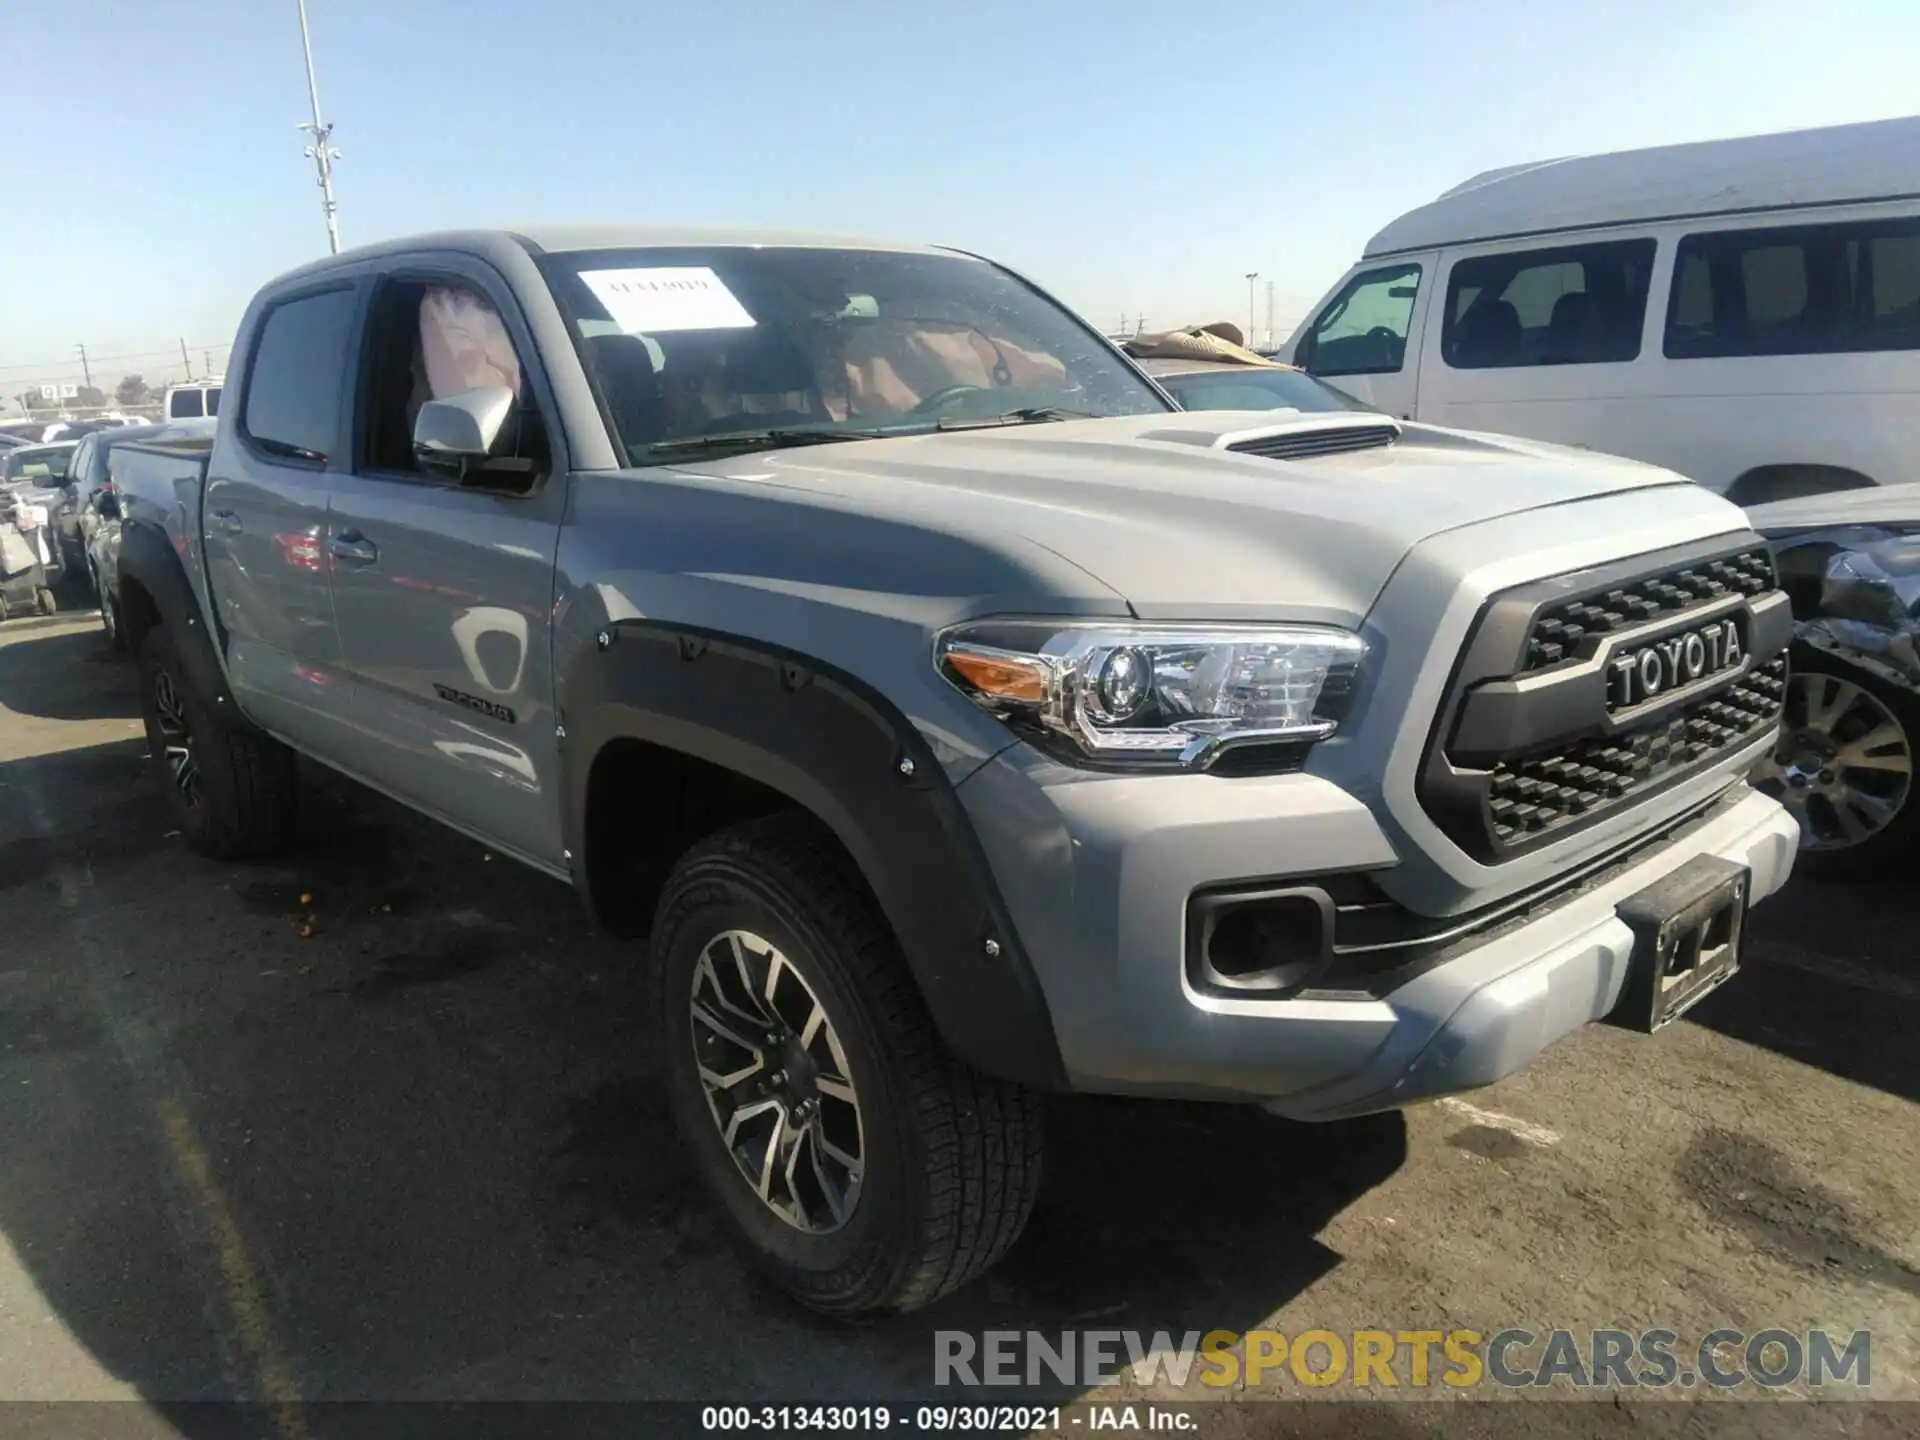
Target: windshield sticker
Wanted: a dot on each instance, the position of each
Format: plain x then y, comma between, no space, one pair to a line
682,297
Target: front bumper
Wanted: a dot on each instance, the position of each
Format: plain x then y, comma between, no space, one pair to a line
1097,873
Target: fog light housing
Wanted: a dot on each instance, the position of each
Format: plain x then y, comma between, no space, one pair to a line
1273,943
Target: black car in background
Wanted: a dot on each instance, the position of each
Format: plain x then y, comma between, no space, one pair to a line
1845,766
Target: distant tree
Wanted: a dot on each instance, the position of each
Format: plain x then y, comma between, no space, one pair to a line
91,397
133,390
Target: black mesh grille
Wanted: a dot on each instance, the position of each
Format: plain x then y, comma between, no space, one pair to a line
1535,795
1305,445
1560,629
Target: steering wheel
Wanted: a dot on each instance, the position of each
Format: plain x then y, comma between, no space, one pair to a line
1385,334
943,397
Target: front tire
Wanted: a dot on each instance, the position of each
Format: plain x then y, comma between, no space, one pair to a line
44,601
1844,767
865,1167
230,785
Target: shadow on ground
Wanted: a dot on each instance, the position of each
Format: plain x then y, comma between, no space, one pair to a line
1833,981
51,670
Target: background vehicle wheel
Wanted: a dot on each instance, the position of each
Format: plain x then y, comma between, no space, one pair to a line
44,602
865,1166
232,787
110,620
1845,765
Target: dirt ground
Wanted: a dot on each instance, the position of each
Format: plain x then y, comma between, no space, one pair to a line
417,1153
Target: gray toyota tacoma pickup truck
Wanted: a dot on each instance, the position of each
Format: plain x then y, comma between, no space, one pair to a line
956,719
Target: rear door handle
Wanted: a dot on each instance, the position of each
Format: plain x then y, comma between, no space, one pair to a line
354,549
227,520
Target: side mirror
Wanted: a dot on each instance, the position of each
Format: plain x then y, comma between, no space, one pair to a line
453,435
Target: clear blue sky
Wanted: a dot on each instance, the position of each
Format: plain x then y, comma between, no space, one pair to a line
1133,156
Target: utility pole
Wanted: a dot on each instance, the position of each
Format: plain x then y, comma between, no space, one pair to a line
320,151
1252,275
1270,339
86,369
186,359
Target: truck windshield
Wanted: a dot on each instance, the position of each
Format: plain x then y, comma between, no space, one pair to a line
22,467
714,348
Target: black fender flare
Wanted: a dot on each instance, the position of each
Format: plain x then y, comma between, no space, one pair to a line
832,745
147,557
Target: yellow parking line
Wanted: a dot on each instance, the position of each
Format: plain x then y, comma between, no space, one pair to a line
248,1309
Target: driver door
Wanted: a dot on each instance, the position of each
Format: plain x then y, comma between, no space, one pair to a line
1367,338
442,591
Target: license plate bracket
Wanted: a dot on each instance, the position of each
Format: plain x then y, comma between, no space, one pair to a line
1687,930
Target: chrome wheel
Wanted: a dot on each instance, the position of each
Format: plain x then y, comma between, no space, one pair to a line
176,738
777,1082
1844,764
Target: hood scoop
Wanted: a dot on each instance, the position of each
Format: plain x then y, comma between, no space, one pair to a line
1304,439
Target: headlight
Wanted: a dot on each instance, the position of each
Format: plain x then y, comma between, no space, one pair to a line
1158,695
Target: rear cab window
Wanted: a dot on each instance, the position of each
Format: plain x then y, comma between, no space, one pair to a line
1799,290
1565,305
291,410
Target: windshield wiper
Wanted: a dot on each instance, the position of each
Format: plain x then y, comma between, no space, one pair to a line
1025,415
755,440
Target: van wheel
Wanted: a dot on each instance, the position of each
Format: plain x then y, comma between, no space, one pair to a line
865,1167
1844,766
231,787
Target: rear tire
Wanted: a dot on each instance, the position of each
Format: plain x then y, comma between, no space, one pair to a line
231,786
44,602
845,1067
1844,766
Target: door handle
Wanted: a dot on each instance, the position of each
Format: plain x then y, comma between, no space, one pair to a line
227,520
354,549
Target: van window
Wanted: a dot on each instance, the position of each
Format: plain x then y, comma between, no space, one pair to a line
184,405
1804,290
1571,305
291,407
1364,330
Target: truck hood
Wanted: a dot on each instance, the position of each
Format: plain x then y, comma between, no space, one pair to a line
1157,509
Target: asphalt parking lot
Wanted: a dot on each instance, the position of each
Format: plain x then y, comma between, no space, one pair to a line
373,1123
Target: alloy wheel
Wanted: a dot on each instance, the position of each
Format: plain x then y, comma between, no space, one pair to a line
777,1082
176,738
1844,764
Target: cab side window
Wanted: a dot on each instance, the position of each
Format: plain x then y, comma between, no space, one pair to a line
291,410
1809,290
426,341
1571,305
1364,330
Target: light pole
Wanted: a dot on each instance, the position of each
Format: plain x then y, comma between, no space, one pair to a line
1252,275
320,151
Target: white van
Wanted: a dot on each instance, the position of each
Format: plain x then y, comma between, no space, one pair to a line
194,401
1746,312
